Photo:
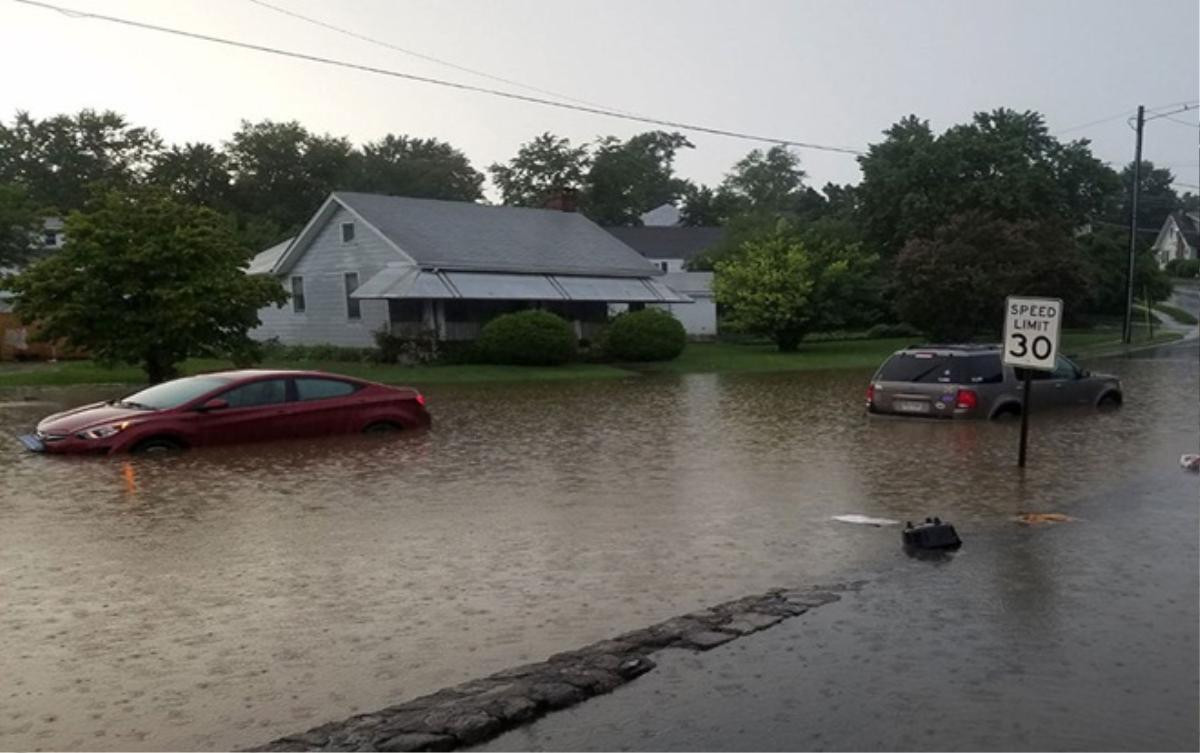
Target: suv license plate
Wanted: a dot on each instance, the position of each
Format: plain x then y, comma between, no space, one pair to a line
911,406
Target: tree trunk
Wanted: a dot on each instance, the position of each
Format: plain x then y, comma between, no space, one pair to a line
788,341
158,369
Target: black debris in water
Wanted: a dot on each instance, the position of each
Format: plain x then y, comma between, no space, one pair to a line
932,534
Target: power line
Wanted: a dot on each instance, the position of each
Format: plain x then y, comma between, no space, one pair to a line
1108,119
441,82
1182,122
429,58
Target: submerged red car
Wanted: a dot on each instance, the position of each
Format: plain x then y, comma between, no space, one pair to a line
231,406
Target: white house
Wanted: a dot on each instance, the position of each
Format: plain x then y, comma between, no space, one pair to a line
1179,237
671,249
366,263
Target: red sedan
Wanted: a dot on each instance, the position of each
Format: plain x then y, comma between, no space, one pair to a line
231,406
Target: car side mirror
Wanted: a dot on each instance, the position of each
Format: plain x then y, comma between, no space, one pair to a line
215,404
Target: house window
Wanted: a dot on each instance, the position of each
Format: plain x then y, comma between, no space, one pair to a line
51,238
347,232
353,305
298,295
663,265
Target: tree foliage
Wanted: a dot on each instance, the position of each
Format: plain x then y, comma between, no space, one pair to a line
1106,256
145,279
282,172
1003,162
953,285
628,178
61,160
196,173
787,283
18,225
541,169
1156,198
423,168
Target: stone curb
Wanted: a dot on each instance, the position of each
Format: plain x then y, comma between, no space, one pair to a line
478,710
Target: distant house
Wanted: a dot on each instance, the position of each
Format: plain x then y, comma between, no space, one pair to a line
1179,237
663,215
366,263
671,249
15,336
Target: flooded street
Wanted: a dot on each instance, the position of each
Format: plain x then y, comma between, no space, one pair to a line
221,598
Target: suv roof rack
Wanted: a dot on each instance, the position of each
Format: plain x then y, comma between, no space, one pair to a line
955,346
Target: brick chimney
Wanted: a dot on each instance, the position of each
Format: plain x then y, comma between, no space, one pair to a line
564,200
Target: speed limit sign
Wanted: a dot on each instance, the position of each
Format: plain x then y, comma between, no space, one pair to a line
1031,327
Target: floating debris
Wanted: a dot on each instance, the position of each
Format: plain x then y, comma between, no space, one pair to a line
864,520
1190,462
932,534
1034,518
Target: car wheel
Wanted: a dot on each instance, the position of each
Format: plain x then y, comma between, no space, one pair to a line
156,444
1012,410
382,427
1110,401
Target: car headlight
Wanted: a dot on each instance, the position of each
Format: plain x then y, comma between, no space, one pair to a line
103,432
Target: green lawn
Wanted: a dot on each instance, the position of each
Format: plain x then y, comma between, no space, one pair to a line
697,358
1176,313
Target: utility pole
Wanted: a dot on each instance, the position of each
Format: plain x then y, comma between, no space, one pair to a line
1127,335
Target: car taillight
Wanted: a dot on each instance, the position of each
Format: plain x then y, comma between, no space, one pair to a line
870,393
420,399
966,399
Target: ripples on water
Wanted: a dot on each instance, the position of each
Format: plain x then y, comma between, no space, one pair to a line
223,597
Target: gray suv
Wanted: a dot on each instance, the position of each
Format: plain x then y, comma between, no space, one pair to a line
969,381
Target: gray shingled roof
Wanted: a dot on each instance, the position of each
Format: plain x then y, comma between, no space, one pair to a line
457,235
669,242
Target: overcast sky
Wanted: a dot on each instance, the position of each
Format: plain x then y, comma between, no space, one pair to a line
833,72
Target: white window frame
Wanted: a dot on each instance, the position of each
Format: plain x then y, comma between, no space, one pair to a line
346,289
353,232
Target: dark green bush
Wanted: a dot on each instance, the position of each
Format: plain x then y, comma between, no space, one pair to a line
1186,268
901,329
647,335
527,338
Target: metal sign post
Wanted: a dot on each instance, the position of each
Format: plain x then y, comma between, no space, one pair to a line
1031,333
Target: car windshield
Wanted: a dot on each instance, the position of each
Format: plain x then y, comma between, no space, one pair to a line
174,393
922,367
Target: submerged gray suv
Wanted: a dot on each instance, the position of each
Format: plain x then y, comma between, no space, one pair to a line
969,381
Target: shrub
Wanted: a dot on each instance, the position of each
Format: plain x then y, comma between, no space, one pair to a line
1186,268
526,338
647,335
901,329
408,350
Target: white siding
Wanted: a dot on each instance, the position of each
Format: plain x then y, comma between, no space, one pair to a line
667,265
699,318
323,266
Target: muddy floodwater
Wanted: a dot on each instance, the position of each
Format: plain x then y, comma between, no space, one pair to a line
221,598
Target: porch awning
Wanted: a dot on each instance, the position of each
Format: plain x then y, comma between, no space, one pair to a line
410,282
505,287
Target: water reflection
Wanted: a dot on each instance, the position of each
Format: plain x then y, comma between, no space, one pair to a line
219,598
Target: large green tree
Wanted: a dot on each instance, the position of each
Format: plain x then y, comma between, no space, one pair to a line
282,172
61,160
424,168
953,285
196,173
145,279
19,223
628,178
1105,254
1003,162
1156,199
768,184
789,282
542,169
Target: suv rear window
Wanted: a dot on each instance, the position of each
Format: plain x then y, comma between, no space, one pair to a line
926,368
986,369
